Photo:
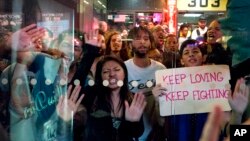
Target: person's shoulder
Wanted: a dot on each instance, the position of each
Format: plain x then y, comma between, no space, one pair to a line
157,64
195,29
129,61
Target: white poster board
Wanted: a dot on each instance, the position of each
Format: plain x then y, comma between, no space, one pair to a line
194,89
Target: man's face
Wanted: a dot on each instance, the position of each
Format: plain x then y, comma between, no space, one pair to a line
116,43
150,25
141,44
159,38
202,24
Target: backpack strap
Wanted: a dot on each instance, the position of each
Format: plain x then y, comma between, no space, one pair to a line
198,32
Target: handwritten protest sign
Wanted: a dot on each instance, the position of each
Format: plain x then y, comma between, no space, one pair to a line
194,89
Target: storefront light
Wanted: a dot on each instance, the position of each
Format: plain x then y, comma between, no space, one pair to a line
191,15
140,14
86,2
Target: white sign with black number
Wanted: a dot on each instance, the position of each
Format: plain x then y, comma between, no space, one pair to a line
201,5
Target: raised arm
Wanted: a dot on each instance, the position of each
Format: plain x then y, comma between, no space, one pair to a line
238,102
91,51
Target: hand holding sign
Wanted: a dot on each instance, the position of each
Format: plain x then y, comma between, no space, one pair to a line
157,91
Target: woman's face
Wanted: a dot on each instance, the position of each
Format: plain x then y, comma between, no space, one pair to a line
192,56
112,72
116,43
171,44
214,32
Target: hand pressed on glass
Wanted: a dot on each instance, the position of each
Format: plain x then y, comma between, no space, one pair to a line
24,39
68,104
134,111
239,100
92,38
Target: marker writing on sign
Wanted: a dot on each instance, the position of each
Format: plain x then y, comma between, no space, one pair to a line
176,95
206,77
210,94
173,79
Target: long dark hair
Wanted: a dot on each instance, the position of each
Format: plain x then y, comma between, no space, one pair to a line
123,52
31,12
106,92
133,33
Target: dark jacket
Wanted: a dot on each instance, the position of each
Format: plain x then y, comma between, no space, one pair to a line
101,126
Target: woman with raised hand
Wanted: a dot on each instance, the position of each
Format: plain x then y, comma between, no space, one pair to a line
113,113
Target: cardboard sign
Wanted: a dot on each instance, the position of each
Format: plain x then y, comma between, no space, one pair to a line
194,89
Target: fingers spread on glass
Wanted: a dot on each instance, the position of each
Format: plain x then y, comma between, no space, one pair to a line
92,38
29,27
69,103
239,100
134,111
25,38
